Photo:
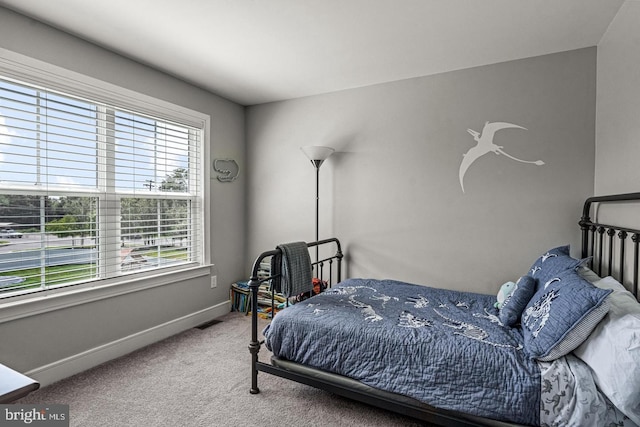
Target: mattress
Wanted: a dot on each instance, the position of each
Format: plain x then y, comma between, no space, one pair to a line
441,347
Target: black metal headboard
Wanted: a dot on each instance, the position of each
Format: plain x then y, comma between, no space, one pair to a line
615,249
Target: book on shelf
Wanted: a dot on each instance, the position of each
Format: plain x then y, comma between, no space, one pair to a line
240,297
241,287
264,292
241,294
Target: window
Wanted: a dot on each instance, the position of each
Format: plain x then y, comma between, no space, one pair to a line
92,190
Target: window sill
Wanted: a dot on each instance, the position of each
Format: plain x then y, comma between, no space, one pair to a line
56,299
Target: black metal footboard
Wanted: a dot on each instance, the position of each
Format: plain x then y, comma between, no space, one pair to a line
615,249
327,269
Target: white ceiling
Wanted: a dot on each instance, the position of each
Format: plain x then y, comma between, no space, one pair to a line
256,51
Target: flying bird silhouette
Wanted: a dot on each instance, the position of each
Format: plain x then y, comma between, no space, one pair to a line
485,145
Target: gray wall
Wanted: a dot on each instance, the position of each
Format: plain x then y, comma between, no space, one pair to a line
618,105
617,115
44,339
391,191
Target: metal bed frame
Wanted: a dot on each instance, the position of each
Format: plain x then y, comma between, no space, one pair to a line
254,284
612,249
604,252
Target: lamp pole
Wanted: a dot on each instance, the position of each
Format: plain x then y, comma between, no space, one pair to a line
317,164
317,155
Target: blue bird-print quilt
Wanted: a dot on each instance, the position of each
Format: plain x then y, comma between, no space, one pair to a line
442,347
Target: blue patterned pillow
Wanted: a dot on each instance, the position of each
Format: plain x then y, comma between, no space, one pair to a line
552,263
561,315
517,300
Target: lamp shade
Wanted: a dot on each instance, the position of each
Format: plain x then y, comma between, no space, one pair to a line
317,153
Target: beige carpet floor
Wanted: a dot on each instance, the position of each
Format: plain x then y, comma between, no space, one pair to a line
201,377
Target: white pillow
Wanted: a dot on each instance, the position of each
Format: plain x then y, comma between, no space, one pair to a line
588,274
612,351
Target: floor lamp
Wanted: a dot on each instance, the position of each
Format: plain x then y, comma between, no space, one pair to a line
317,154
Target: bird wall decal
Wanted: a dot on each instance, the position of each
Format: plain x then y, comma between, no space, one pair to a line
485,145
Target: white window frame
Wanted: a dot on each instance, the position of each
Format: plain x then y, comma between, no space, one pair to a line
29,70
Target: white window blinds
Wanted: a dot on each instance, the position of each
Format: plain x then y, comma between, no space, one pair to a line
91,191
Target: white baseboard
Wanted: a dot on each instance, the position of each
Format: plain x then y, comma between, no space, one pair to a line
80,362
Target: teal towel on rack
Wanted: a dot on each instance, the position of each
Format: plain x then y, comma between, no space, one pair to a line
296,269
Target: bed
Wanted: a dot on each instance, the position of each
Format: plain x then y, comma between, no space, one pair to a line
560,346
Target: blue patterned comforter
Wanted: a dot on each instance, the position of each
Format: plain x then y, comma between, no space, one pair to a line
442,347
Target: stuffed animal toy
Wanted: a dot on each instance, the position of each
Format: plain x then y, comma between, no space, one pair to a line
503,293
